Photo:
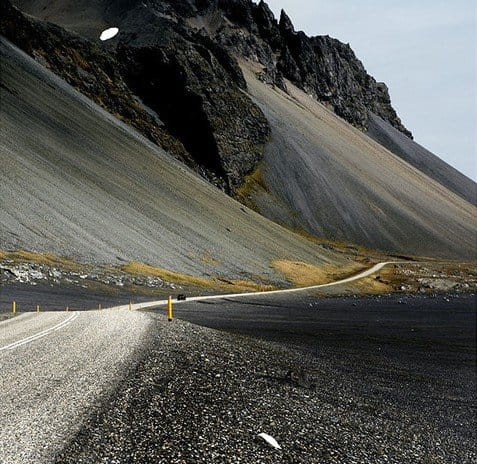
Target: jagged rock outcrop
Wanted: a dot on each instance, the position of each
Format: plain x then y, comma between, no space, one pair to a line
194,85
178,87
322,66
172,73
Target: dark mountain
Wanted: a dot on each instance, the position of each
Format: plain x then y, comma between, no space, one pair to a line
77,182
247,102
179,55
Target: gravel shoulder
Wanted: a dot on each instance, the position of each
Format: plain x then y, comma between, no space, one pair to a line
203,395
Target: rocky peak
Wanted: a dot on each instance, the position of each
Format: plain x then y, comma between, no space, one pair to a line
266,22
172,72
286,25
322,66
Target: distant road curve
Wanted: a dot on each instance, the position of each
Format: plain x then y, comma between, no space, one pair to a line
360,275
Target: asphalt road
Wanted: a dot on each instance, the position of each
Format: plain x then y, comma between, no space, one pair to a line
56,298
393,375
52,298
304,320
54,366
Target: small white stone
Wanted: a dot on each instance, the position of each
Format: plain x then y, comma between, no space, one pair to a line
270,440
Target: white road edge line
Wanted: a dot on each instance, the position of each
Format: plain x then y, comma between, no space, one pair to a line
152,304
39,335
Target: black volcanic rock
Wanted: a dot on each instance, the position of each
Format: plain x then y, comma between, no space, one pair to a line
191,84
172,72
267,24
200,104
286,25
322,66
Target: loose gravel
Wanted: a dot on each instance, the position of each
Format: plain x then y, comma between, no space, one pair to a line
199,395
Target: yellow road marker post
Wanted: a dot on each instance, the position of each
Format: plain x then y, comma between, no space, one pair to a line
169,308
37,308
67,308
99,306
130,306
14,307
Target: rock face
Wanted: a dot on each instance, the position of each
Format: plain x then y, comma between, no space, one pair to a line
195,88
179,88
322,66
172,71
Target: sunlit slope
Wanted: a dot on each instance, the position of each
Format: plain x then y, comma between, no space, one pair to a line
324,176
77,182
423,159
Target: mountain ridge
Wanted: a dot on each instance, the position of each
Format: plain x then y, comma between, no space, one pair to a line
192,77
71,187
320,65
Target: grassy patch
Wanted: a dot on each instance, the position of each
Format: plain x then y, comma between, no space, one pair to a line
253,183
375,284
48,259
136,268
79,60
303,274
235,285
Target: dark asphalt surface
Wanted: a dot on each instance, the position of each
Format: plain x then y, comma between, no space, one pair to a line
373,379
307,321
424,345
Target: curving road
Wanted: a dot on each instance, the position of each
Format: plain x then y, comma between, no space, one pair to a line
54,366
57,369
360,275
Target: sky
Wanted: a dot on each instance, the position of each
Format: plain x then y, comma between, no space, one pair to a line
424,50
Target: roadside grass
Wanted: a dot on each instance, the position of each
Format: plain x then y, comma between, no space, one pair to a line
412,277
302,274
136,268
218,283
299,274
376,284
187,282
48,259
